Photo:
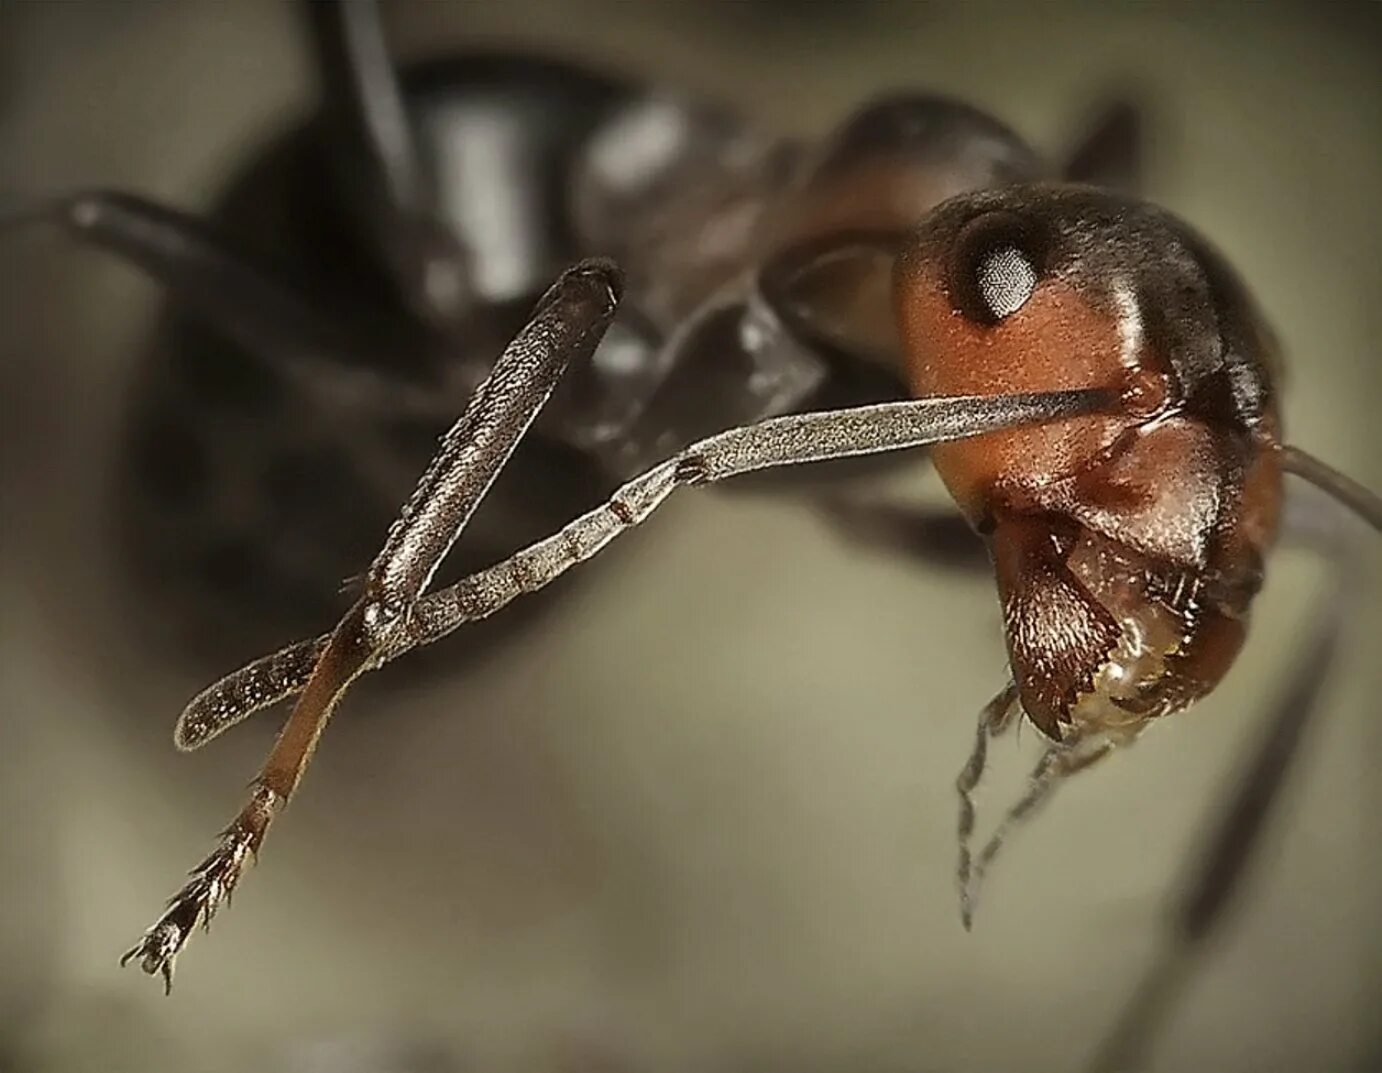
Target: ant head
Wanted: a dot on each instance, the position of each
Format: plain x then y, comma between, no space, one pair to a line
1045,286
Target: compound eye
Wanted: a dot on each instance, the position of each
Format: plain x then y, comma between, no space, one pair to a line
997,263
1006,279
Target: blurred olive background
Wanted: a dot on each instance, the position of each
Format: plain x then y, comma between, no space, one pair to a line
700,815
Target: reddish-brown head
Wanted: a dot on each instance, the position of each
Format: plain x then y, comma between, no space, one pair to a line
1127,545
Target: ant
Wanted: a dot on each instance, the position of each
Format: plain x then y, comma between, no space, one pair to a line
1094,379
357,278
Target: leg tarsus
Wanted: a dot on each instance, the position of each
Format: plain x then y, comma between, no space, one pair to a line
210,883
567,323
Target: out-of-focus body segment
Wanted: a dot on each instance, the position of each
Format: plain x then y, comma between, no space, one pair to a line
828,244
1127,546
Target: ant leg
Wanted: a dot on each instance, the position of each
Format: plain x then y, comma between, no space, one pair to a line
993,719
793,439
780,441
1218,876
214,880
566,325
260,313
362,90
393,190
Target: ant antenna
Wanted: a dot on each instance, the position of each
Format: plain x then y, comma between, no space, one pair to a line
1362,501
